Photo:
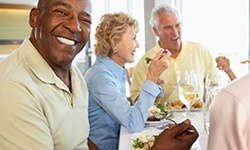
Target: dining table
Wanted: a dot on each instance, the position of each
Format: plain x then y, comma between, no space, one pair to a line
196,117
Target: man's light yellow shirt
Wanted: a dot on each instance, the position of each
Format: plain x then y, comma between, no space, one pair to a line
192,56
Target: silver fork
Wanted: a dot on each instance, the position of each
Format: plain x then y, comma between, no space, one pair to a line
163,126
158,116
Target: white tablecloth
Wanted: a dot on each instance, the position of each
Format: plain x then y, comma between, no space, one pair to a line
196,118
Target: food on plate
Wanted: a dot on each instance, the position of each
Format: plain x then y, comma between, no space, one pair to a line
144,141
153,110
245,61
177,104
157,109
197,104
152,118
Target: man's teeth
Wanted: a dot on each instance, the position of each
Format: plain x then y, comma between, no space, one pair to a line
175,38
66,41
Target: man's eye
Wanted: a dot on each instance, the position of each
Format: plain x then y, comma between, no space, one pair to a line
178,25
167,27
85,20
61,12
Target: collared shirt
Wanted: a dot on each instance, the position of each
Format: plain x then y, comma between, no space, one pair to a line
37,109
192,56
230,117
108,104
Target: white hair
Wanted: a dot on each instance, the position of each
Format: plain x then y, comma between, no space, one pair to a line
154,22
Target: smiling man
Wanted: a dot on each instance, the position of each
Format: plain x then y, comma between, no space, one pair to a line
44,98
166,25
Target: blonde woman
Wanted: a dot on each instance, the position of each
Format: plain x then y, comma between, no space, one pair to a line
109,108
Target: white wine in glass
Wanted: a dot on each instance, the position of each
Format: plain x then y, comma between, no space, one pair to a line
188,88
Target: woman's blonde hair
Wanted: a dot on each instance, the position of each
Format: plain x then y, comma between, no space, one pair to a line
110,30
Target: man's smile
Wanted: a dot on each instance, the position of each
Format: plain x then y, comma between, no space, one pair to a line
66,41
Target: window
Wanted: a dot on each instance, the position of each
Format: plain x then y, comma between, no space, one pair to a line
134,8
99,7
222,26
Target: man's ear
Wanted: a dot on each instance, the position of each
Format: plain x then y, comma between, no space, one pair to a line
155,31
33,17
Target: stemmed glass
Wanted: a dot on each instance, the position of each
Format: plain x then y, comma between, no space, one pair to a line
214,82
188,88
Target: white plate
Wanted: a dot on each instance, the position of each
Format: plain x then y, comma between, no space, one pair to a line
174,116
158,123
183,110
195,146
155,123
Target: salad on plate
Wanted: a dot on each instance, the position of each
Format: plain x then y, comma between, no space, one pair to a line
143,141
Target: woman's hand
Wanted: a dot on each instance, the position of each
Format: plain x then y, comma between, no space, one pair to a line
158,64
224,64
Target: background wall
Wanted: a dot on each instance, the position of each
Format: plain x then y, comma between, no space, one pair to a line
13,27
207,30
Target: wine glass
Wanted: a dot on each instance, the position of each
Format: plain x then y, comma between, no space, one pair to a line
214,82
188,88
211,91
206,111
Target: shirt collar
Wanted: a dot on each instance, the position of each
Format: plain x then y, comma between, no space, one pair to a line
157,47
39,66
117,70
185,51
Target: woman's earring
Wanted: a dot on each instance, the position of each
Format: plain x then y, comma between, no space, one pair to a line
115,51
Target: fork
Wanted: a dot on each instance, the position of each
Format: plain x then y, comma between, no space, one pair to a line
158,116
164,126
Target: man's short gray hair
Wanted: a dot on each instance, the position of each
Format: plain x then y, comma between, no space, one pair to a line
154,22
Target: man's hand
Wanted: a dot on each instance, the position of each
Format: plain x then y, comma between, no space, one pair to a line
177,137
